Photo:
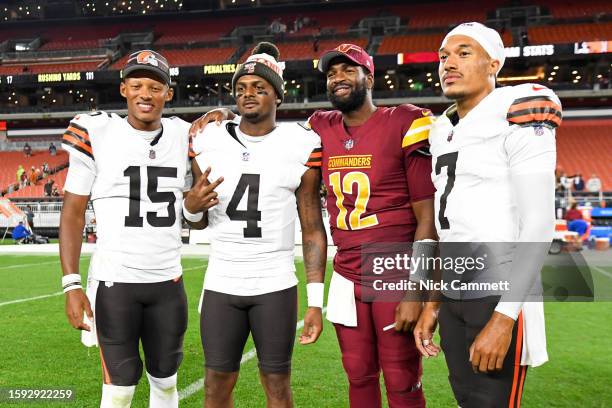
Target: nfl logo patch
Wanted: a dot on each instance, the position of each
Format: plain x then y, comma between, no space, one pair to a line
245,156
348,144
538,130
151,154
249,67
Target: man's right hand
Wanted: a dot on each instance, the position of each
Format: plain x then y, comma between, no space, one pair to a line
77,303
202,195
424,330
215,115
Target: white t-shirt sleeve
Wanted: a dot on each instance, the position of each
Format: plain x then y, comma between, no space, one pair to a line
81,176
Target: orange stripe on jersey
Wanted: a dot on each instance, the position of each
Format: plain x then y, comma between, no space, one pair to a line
73,141
536,105
521,383
313,164
517,359
536,117
79,132
313,155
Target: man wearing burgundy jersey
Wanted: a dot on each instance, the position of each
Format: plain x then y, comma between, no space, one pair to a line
376,168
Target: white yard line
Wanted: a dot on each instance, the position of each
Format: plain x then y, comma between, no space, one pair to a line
196,386
602,271
10,302
29,264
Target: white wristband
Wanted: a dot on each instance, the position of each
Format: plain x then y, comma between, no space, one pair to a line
191,217
71,281
314,293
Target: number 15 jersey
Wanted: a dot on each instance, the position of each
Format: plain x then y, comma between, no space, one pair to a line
136,181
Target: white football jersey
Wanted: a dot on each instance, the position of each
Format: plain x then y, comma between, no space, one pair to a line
253,226
136,193
472,160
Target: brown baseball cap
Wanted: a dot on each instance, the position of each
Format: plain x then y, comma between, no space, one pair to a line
147,60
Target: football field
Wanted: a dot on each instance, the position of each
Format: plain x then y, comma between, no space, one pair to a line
38,349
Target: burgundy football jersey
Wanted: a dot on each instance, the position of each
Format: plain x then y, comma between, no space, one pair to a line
372,174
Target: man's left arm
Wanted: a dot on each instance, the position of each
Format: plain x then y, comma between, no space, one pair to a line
417,165
314,247
531,156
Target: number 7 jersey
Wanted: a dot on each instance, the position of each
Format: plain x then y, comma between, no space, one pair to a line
473,159
136,187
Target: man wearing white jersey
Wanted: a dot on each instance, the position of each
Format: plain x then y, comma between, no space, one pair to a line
270,174
493,157
134,170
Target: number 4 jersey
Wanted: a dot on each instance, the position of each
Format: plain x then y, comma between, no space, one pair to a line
253,226
136,181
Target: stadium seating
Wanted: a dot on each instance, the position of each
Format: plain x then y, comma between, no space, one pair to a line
304,50
189,57
38,190
191,31
11,161
440,15
420,43
584,146
568,33
577,9
17,69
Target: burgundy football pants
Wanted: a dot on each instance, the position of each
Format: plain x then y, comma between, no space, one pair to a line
366,349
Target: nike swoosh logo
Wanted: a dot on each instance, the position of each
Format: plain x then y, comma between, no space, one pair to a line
537,88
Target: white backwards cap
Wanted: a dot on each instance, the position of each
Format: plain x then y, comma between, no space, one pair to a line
488,39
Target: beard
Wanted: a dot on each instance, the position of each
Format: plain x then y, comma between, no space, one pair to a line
352,102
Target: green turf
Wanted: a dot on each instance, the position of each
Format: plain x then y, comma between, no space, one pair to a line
39,349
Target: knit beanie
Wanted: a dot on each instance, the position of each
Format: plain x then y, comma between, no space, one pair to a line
263,62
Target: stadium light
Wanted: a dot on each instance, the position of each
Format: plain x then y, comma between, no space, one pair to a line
574,72
599,76
550,78
387,76
410,81
556,67
578,77
428,74
575,81
437,84
429,79
553,73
